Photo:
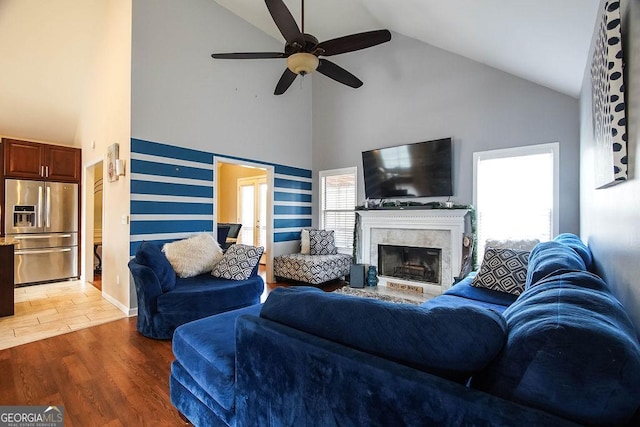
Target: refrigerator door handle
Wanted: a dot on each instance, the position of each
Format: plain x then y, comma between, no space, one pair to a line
47,223
39,236
39,207
44,251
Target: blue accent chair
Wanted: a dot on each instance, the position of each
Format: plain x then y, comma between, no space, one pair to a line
166,301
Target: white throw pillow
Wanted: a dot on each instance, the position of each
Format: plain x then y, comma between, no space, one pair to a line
305,243
193,256
521,245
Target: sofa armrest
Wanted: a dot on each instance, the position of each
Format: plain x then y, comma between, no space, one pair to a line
148,287
288,377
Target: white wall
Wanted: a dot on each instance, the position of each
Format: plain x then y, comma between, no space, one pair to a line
45,53
181,96
416,92
106,119
611,216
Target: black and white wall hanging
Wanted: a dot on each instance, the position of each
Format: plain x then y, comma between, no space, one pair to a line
608,101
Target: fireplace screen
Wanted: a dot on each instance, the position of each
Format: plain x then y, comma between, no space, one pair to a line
410,263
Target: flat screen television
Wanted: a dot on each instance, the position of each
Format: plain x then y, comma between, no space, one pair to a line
422,169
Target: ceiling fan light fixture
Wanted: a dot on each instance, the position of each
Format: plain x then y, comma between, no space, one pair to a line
302,63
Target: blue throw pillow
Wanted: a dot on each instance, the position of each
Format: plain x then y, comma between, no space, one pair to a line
452,342
571,350
150,255
548,257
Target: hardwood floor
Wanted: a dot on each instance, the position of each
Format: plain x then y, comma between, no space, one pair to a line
107,375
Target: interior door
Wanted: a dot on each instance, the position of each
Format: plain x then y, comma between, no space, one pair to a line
252,211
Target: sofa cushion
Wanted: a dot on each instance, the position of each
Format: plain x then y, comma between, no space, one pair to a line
451,342
548,257
238,263
503,270
206,295
574,242
451,301
571,350
206,350
150,255
193,256
321,242
313,269
463,289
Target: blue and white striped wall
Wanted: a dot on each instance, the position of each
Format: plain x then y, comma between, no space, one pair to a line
172,194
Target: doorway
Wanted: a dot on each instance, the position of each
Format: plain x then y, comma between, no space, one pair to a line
95,274
244,196
252,210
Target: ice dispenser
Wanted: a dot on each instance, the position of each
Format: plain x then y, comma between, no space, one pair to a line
24,216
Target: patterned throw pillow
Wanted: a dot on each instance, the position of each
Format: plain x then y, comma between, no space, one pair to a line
238,262
321,242
503,270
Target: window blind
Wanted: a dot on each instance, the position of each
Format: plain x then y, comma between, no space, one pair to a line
338,200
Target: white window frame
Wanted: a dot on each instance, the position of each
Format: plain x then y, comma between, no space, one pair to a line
552,147
332,172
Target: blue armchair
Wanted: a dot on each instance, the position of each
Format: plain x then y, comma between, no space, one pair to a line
166,301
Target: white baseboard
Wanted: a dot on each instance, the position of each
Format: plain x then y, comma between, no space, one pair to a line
126,310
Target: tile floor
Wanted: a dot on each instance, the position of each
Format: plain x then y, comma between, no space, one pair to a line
43,311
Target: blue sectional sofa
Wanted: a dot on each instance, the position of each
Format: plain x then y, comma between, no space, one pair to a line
166,301
564,352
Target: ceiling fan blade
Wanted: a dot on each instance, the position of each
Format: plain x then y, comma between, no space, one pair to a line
338,73
285,81
284,21
353,42
249,55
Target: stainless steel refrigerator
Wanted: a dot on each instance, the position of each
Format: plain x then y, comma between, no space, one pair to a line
43,218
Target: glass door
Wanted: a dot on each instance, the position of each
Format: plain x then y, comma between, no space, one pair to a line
252,211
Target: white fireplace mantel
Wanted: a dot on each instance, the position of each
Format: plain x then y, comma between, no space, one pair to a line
450,220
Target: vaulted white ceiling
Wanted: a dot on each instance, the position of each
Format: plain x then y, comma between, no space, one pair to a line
544,41
46,47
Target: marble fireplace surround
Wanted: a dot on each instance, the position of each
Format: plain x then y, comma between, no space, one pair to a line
433,228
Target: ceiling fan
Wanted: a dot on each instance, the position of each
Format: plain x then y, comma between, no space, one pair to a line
302,50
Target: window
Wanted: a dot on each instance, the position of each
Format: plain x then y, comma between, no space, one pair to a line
337,204
516,193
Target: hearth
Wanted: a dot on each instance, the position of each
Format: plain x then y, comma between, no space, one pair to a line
429,228
419,264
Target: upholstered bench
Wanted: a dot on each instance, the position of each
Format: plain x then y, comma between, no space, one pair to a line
205,368
312,269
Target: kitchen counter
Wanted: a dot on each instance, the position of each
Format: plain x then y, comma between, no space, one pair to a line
8,241
6,276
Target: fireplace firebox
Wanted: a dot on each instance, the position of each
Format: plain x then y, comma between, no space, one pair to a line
410,263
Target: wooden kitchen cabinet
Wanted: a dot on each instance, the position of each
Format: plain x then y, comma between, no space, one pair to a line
6,277
33,160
